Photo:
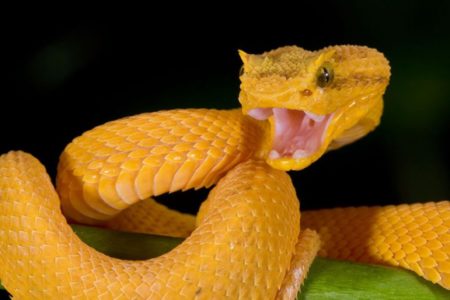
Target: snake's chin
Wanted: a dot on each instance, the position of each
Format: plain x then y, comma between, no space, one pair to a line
297,134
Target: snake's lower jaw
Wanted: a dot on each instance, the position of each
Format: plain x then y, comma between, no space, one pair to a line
298,137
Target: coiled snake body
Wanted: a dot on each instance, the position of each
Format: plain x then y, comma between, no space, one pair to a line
246,241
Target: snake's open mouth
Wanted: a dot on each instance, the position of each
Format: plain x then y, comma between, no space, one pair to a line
297,133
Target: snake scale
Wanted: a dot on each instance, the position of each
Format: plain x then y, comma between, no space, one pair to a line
246,240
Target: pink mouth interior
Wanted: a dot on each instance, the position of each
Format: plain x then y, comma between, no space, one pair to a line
298,133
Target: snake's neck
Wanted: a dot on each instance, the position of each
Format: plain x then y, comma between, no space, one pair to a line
121,162
260,142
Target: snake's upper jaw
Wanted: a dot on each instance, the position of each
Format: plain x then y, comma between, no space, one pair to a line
298,136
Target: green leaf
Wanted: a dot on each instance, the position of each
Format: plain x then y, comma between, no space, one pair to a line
124,244
327,279
333,279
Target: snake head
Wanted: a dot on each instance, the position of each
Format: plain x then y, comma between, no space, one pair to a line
314,101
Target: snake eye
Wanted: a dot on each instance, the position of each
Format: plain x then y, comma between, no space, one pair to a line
325,76
241,71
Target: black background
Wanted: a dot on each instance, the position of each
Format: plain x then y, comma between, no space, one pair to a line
65,75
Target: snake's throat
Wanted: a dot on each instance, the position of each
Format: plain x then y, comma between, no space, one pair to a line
297,134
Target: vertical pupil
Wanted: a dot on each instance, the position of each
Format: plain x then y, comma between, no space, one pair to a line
325,75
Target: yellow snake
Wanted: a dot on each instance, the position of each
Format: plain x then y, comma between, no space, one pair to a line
246,241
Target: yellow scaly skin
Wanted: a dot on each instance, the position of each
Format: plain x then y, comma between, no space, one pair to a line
247,241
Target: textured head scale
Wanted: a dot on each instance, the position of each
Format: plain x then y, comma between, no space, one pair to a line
272,75
345,83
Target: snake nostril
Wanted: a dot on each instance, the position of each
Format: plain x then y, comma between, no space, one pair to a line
306,92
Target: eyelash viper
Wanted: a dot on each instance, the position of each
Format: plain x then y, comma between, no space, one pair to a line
246,240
